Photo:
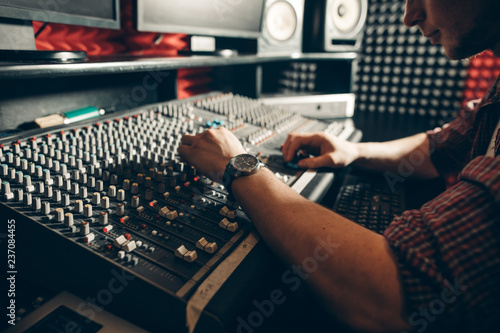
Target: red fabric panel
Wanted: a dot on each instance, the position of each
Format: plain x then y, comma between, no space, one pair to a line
127,40
483,70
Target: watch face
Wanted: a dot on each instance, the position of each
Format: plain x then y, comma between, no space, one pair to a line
245,163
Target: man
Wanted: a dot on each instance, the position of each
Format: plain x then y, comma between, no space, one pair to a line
437,267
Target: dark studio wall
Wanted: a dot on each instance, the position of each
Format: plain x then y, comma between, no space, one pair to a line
400,71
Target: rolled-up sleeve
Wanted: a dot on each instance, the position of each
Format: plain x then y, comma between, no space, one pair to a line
448,253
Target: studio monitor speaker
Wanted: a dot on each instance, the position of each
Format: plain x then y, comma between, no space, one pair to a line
334,25
281,27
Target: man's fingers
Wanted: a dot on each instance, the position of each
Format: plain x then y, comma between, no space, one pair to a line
188,139
291,144
284,147
315,162
294,142
183,151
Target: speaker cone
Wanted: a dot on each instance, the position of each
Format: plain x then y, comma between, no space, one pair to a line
281,21
346,15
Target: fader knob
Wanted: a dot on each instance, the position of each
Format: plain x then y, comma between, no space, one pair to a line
149,194
31,168
66,185
56,197
58,181
84,228
79,163
5,187
49,163
59,214
78,206
40,187
105,202
48,192
87,210
66,200
159,176
41,159
27,153
64,169
19,194
103,218
19,177
10,158
12,173
56,166
24,164
75,188
46,208
112,191
120,209
37,204
75,175
96,198
99,186
68,219
27,199
91,182
27,180
83,192
46,174
120,195
38,171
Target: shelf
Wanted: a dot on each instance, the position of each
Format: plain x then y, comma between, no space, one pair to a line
131,64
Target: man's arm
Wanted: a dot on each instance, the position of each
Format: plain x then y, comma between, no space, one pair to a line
356,274
377,156
389,156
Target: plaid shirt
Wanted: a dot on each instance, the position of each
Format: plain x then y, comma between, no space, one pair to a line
448,251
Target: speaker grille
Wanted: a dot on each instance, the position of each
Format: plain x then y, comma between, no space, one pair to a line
346,16
281,21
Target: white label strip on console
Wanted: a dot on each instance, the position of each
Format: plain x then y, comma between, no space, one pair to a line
303,180
214,281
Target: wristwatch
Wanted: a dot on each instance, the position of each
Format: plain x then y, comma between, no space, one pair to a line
239,166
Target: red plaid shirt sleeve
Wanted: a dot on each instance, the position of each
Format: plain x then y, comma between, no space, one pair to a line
451,144
448,251
449,254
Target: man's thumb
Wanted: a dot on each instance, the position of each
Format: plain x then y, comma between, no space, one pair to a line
314,162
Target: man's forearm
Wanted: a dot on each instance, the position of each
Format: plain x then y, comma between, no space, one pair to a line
392,155
356,271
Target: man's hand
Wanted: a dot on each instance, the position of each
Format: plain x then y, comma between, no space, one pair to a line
210,151
329,151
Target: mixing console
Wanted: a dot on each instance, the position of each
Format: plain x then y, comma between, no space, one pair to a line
111,198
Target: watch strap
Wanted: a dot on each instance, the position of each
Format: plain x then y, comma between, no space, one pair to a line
231,173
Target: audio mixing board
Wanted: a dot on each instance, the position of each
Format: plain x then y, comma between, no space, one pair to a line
106,209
